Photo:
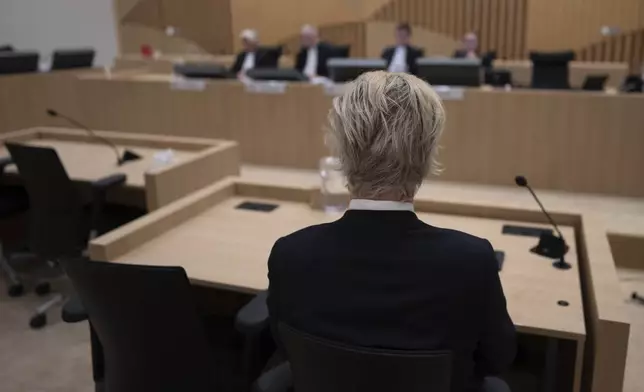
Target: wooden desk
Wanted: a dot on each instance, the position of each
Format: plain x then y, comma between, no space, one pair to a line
196,162
227,248
554,137
522,71
165,63
591,217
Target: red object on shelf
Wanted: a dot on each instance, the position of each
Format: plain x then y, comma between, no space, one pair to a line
146,50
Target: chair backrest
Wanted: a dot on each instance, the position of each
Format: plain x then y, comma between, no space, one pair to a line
270,56
595,82
18,62
341,51
72,58
319,365
57,227
551,70
148,326
488,58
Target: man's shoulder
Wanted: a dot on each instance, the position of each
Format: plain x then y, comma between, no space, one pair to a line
460,243
303,237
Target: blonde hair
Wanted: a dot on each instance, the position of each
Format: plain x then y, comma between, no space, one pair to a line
385,130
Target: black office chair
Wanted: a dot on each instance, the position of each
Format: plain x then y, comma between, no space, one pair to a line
633,84
61,219
13,201
6,48
319,365
551,70
595,82
72,58
270,56
341,51
150,333
487,59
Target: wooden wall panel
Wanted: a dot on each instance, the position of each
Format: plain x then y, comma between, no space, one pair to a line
511,27
276,20
573,24
454,18
200,25
628,48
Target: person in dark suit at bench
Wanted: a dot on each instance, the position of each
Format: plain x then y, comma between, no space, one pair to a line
253,56
469,49
379,276
402,56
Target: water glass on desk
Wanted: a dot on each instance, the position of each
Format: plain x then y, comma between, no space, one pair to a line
334,190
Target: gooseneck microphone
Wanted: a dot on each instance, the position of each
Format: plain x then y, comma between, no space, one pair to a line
120,160
549,245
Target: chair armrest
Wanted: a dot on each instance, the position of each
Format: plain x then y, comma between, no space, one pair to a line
108,182
252,319
278,379
4,162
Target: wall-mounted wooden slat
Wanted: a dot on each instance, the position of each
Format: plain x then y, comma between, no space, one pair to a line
638,58
511,29
484,34
494,25
519,43
502,31
619,51
458,18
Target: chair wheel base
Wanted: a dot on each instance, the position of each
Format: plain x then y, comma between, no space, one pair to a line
16,290
38,321
43,288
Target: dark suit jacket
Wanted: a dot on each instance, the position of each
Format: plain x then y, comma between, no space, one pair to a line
325,52
263,59
413,54
386,279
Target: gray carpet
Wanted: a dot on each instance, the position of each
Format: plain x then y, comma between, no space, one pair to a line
53,359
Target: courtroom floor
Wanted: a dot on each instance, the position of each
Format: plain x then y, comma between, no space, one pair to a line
57,358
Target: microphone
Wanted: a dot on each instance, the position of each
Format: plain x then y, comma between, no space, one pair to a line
120,160
549,245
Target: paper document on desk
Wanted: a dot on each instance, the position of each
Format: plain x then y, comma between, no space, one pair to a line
449,93
270,87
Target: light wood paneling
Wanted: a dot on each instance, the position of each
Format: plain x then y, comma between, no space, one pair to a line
454,18
557,138
200,25
276,20
627,47
522,72
556,25
490,135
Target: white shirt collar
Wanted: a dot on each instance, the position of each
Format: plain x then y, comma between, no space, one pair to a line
399,60
310,68
380,205
249,61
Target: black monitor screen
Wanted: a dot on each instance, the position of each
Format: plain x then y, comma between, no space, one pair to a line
450,72
346,70
69,59
18,62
